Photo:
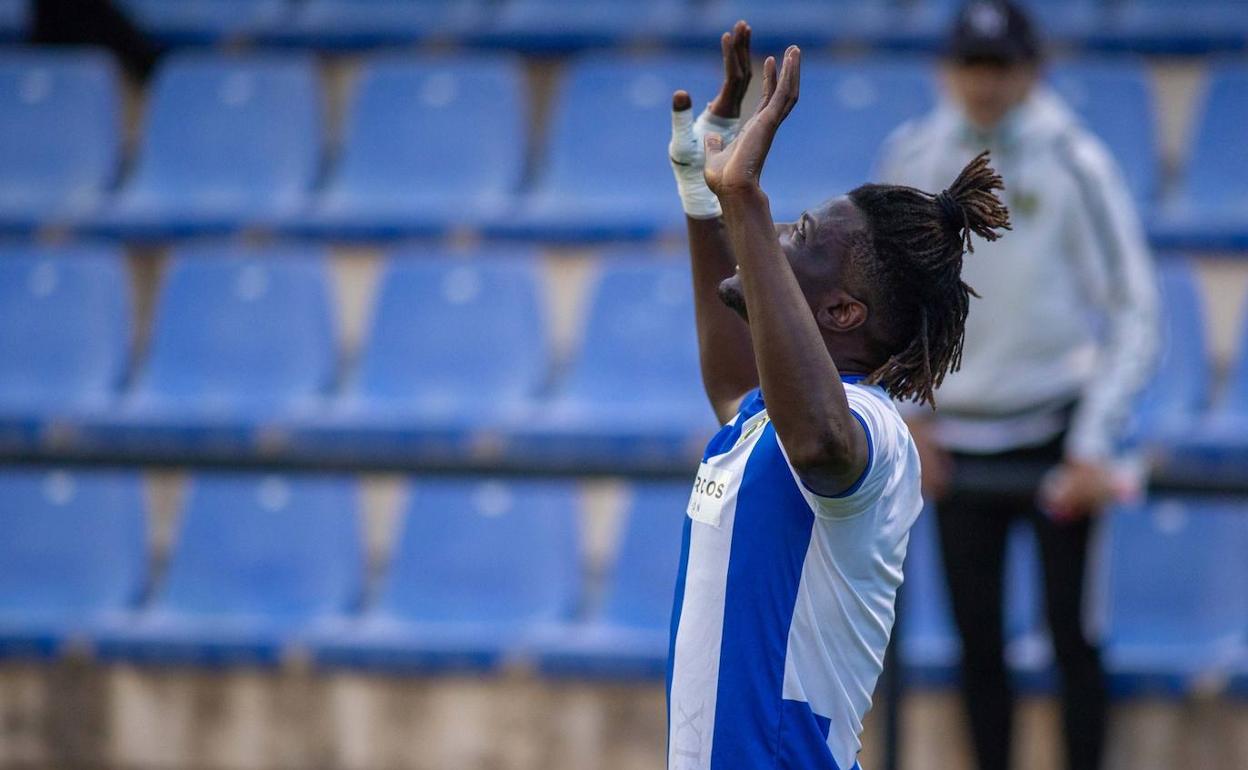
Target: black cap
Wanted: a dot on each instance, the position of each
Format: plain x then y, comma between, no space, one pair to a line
993,30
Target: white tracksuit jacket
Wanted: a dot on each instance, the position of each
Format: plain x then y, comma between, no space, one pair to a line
1068,313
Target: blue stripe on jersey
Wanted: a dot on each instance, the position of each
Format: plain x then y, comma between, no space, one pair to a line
727,437
803,739
676,608
769,541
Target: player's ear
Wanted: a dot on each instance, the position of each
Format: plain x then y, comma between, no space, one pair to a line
841,312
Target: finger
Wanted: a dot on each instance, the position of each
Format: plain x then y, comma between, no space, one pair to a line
769,83
785,96
743,51
725,49
681,101
713,144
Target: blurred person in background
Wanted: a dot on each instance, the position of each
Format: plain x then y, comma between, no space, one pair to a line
1057,347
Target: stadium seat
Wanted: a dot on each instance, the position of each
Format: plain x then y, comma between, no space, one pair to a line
1166,27
259,560
73,551
457,347
1169,405
359,23
1210,210
606,173
930,648
14,16
203,21
478,566
809,23
829,143
431,144
1115,101
64,337
564,25
628,635
1172,621
633,393
230,142
241,339
60,126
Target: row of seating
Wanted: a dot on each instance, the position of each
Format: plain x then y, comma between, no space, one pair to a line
456,364
433,145
558,25
483,571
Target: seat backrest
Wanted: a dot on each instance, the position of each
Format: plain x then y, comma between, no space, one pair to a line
1115,100
486,551
74,541
831,139
238,327
1176,571
60,126
1217,165
451,330
232,131
283,546
611,124
64,324
451,125
643,577
1237,387
1179,388
639,343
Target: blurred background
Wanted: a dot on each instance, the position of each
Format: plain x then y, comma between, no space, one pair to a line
349,393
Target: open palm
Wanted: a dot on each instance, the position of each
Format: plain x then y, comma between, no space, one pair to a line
739,166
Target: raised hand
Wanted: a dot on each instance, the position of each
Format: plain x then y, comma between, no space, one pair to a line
735,46
739,165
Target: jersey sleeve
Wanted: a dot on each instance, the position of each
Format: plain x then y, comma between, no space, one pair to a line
888,449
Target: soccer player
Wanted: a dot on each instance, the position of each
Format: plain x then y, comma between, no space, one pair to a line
800,514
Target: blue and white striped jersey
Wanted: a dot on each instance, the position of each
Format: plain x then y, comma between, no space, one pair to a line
784,599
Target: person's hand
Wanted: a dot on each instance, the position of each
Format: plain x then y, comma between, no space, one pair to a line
686,150
738,167
735,46
1076,489
935,460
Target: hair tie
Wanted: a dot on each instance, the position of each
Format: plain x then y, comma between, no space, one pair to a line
955,217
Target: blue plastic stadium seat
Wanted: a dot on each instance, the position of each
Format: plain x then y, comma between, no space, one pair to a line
60,125
14,16
1174,619
1115,101
241,340
64,338
562,25
1164,26
439,365
352,23
431,144
230,142
605,172
633,394
831,139
930,648
1178,393
259,561
628,635
200,21
810,23
1210,210
479,565
73,552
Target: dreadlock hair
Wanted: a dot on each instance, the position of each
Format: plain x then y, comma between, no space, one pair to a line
910,254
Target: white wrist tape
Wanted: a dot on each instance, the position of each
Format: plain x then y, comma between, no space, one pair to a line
688,158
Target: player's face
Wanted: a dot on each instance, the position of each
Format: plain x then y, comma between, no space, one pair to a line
988,90
815,247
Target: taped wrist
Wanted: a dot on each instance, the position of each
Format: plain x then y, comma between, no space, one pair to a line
688,159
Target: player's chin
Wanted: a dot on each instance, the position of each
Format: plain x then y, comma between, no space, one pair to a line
732,295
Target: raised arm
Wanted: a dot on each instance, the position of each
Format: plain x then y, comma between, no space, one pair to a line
805,398
727,359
